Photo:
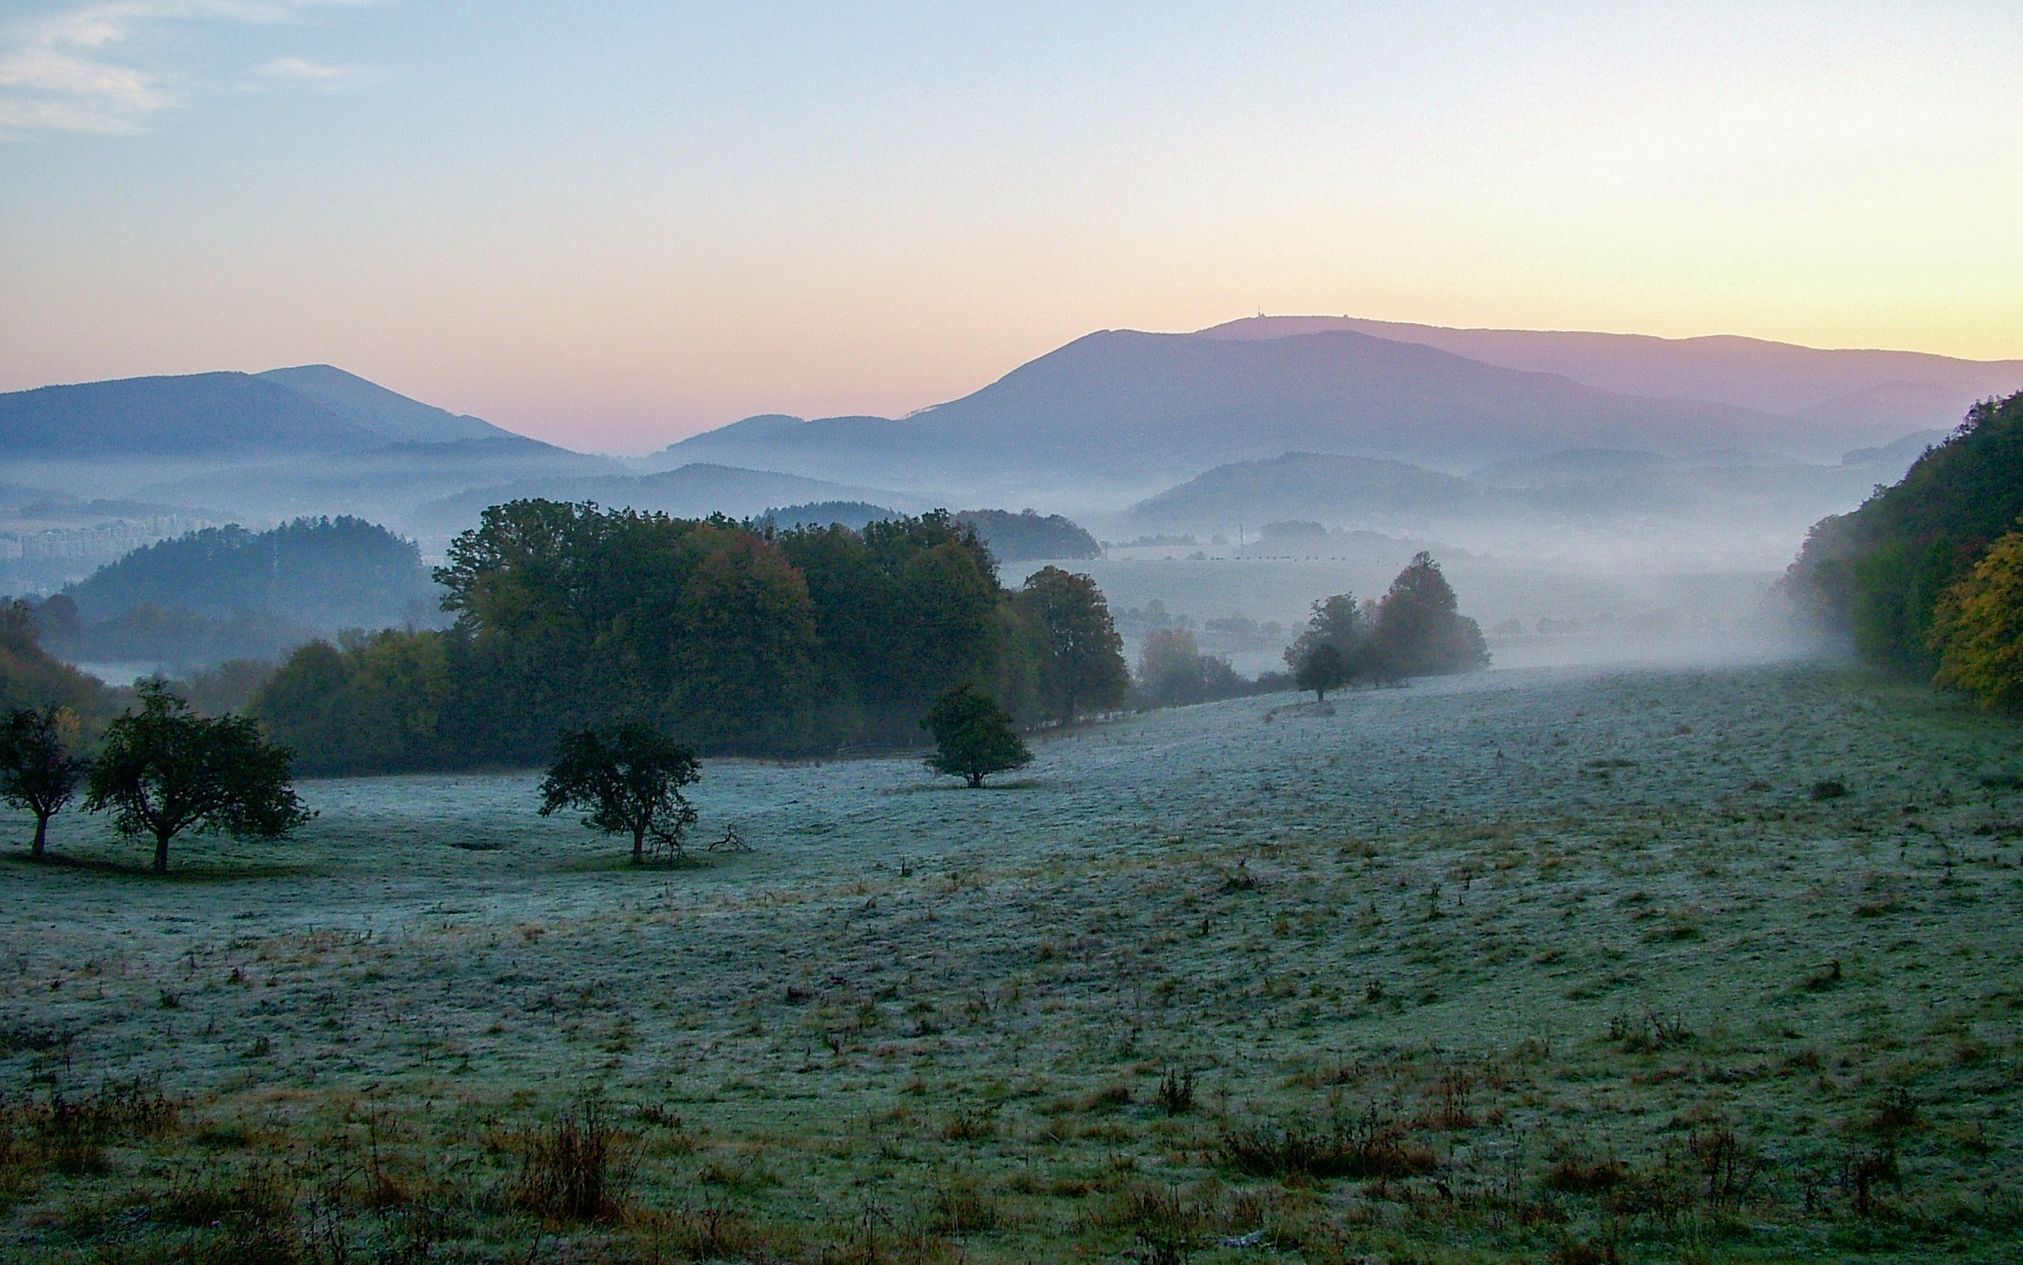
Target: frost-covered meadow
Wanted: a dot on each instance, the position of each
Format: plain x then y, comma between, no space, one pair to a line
1546,963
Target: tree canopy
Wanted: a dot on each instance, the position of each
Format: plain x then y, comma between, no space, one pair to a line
742,638
973,738
1876,576
1333,650
1419,630
1415,629
1977,630
315,572
164,769
1084,666
1029,536
39,767
628,780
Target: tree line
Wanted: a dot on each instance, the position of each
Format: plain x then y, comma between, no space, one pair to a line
1414,629
739,637
1926,577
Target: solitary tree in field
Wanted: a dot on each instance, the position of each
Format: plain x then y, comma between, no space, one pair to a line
165,769
37,770
1322,669
973,738
627,778
1330,652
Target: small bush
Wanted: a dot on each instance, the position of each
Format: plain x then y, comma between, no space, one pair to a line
1176,1091
1828,788
577,1169
1363,1147
1577,1175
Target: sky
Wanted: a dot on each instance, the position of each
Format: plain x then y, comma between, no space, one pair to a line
614,225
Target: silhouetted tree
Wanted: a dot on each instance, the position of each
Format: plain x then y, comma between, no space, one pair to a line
38,771
628,779
165,769
1341,627
973,738
1418,630
1085,657
1173,670
1322,669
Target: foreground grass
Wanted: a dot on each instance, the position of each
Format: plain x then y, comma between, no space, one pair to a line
1546,966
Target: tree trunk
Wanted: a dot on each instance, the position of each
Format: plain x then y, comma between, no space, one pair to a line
975,780
41,835
639,845
161,854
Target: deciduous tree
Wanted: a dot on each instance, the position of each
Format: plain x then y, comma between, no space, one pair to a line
39,770
165,769
1085,666
973,738
627,779
1978,629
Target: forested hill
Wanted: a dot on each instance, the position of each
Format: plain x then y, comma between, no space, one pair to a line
1027,535
31,677
1916,578
323,573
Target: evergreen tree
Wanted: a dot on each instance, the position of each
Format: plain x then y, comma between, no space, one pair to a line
1341,628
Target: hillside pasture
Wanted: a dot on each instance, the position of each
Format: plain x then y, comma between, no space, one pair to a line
1541,964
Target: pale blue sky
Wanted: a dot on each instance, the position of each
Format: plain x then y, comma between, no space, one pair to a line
613,224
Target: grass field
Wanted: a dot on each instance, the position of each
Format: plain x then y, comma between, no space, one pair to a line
1541,964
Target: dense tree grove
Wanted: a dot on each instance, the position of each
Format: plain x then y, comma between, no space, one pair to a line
1173,671
1415,629
1977,630
32,677
1880,576
737,638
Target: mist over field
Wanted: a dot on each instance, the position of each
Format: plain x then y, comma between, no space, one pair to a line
1297,634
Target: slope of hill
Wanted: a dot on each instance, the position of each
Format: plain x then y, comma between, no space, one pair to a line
330,574
385,482
1877,575
1887,392
691,491
1122,405
1318,487
389,414
226,415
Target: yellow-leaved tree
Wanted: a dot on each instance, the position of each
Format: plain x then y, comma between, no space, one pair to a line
1978,627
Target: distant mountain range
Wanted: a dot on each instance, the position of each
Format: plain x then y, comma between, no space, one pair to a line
1124,408
1897,391
1399,422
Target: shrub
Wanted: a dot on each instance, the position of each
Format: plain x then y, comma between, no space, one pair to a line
576,1169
